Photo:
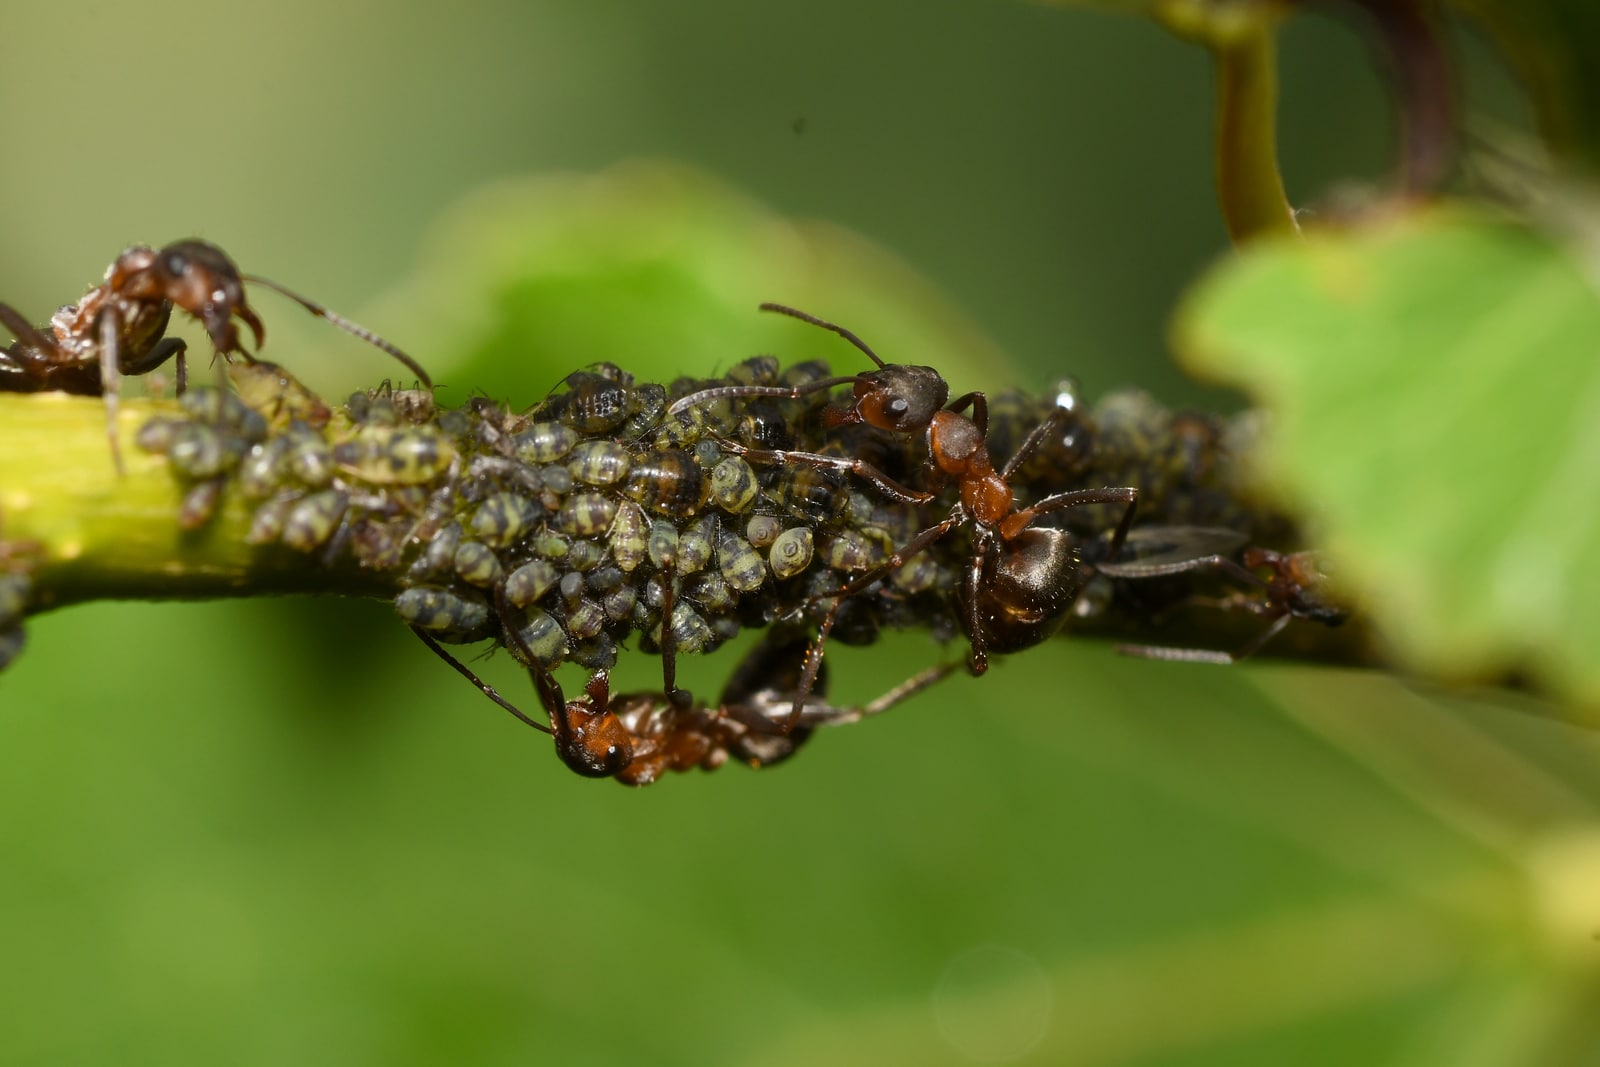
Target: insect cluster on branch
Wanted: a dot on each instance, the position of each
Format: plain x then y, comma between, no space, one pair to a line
674,516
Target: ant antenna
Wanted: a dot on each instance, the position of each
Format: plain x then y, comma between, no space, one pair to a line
344,324
796,313
484,687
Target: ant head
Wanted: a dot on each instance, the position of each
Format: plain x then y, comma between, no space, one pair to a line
591,740
202,280
1036,577
900,398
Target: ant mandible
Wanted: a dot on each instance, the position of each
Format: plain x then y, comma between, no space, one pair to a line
1021,578
119,327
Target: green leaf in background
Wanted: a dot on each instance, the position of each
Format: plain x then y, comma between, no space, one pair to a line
1436,391
658,268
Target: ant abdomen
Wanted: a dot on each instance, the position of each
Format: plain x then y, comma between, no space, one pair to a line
1028,595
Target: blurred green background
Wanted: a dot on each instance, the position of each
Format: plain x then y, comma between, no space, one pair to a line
279,832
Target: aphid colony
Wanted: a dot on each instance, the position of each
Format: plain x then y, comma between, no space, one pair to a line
683,514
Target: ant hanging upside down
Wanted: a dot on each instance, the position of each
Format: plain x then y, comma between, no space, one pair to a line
118,328
1021,578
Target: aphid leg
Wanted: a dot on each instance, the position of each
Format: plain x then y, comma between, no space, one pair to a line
678,698
484,687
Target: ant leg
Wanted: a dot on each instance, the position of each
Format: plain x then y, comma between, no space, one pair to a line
34,347
484,687
1013,525
111,376
1205,655
813,665
978,661
678,698
159,353
906,689
1035,438
777,458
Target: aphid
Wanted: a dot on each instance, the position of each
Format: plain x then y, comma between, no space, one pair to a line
668,482
409,455
119,327
447,614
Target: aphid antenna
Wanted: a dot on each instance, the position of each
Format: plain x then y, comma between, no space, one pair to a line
353,328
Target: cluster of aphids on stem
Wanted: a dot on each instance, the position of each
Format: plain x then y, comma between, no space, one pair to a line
677,515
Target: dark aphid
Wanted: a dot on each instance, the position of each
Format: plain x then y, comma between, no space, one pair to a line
197,450
200,503
584,556
585,619
439,554
593,403
449,615
668,482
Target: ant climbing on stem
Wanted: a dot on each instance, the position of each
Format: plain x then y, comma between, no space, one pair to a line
118,328
1021,578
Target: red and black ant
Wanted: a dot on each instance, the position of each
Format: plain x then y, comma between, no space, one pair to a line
636,737
1021,578
1278,586
119,327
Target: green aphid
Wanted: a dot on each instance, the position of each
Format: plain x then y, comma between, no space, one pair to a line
790,552
313,519
445,613
694,546
599,462
585,619
739,563
544,638
196,450
530,582
311,458
477,564
503,519
857,550
383,455
630,537
263,469
586,514
544,442
585,556
733,485
762,530
662,544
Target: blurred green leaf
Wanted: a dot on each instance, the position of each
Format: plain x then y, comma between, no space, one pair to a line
658,268
1437,410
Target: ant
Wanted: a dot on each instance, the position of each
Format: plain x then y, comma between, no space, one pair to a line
636,737
1021,578
1289,590
119,327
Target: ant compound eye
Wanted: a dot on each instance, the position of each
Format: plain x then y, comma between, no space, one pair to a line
175,263
897,408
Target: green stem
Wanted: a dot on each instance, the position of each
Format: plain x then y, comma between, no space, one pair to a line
96,535
1242,38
